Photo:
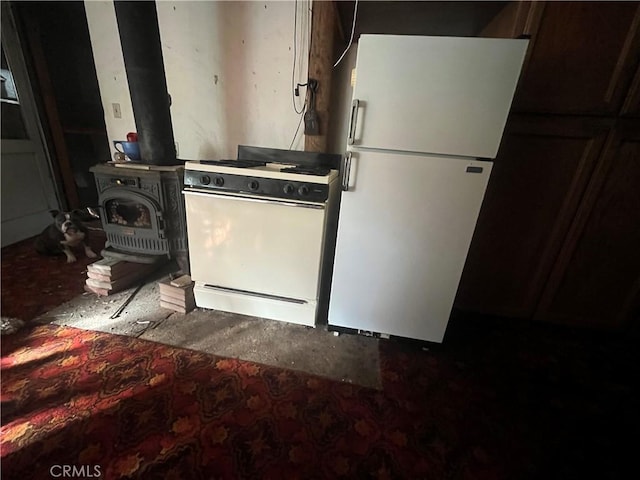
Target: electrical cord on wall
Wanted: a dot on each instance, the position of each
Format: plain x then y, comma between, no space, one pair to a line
353,29
296,50
305,27
304,108
295,55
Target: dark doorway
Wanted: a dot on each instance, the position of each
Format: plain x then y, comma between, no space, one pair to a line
56,37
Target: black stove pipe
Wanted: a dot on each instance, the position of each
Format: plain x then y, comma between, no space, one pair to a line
142,52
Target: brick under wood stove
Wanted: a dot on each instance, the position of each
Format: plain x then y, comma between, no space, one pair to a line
142,212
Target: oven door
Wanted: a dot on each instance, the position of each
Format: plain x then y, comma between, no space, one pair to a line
253,244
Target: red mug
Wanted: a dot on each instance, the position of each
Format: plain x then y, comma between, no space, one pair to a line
132,137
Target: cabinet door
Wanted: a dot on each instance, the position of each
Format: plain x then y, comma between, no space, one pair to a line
596,279
631,107
539,175
514,20
582,60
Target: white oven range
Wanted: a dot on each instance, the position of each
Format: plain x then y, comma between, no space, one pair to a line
260,238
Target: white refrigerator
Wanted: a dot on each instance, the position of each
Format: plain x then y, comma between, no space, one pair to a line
427,118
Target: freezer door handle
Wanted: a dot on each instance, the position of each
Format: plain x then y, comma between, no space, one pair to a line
346,171
355,105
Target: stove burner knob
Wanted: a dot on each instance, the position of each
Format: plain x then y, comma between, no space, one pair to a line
303,190
253,185
289,189
205,180
218,181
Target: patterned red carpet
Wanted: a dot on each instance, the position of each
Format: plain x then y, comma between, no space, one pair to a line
136,409
498,400
33,284
139,409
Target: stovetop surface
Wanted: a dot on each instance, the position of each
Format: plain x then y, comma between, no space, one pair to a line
253,168
235,163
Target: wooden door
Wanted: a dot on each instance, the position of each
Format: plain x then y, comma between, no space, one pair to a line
515,19
596,279
631,106
582,58
541,171
28,190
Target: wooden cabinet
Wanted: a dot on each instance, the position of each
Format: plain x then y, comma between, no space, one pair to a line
540,174
596,278
582,58
631,107
558,237
515,20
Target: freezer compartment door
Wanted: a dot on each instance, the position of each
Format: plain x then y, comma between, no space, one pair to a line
441,95
405,226
259,246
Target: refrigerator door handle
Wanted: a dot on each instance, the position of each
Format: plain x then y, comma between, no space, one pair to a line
353,121
346,171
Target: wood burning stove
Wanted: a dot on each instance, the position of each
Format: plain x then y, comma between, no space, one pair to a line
142,211
141,204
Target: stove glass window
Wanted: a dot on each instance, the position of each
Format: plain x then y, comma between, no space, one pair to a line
128,213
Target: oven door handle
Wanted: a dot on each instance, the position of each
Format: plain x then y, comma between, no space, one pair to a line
204,193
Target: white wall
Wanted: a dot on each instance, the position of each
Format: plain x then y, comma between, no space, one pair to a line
112,77
228,67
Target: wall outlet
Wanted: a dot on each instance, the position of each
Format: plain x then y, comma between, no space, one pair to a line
116,110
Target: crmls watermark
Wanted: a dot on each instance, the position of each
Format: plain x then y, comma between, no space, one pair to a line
75,471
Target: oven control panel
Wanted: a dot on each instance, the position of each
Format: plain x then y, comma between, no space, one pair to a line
269,187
